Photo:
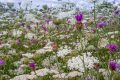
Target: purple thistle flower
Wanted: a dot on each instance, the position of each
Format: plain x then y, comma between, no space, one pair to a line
112,47
113,65
2,62
101,24
117,11
32,65
79,17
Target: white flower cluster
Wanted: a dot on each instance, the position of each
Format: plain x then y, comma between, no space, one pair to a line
6,45
28,55
24,77
80,45
30,17
3,33
67,75
62,15
112,34
103,42
32,76
30,36
16,33
47,48
64,36
81,62
62,52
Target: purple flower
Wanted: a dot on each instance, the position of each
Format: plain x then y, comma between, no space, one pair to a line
2,62
32,65
47,21
101,24
44,28
117,11
113,65
79,17
112,47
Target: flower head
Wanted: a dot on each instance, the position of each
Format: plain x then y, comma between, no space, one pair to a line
2,62
79,17
113,65
112,47
117,11
101,24
32,65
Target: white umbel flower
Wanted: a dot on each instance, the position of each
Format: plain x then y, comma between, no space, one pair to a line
63,52
60,76
28,55
30,36
41,72
79,62
103,42
74,74
16,33
47,48
24,77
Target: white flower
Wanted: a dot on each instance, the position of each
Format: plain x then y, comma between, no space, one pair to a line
112,36
20,70
6,45
40,51
28,55
13,51
110,33
79,62
3,33
41,72
47,48
26,46
16,33
63,52
24,77
54,71
81,45
103,42
30,36
30,17
63,15
74,74
63,75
